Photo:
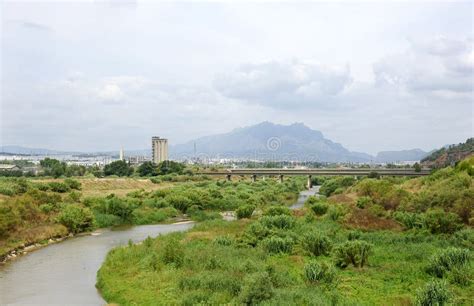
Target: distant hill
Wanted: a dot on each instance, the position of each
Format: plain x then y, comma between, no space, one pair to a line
398,156
449,155
30,151
266,141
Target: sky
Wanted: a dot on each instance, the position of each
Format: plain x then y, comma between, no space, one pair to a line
100,75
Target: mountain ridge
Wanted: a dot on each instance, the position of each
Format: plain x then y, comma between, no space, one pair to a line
262,141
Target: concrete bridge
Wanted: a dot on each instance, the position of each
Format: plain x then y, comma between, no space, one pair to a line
316,172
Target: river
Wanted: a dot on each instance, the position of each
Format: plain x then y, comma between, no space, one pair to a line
65,273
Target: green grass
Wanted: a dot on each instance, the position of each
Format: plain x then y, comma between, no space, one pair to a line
218,272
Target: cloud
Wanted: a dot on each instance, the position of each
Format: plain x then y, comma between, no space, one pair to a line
111,92
35,26
284,84
440,66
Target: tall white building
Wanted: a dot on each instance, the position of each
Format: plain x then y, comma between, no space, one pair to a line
159,149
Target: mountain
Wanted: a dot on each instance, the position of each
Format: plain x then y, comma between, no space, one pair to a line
29,151
397,156
449,155
269,141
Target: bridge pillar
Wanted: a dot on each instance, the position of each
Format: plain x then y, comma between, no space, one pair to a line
309,183
281,178
229,177
254,177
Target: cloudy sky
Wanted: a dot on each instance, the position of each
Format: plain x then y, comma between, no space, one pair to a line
94,75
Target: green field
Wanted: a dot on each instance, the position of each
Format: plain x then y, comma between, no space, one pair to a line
370,242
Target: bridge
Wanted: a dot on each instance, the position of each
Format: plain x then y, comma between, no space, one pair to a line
228,173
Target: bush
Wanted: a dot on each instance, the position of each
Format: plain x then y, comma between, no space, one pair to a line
448,260
355,252
73,184
281,221
257,287
77,219
47,208
409,220
335,212
439,221
278,245
244,211
316,243
331,185
316,272
146,215
320,208
223,240
362,202
173,252
58,187
179,202
434,293
106,220
277,210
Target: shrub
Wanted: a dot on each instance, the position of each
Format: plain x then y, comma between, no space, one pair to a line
354,235
254,233
77,219
316,243
409,220
244,211
179,202
72,183
172,252
316,272
320,208
257,287
146,215
277,210
439,221
8,218
355,252
331,185
335,212
281,221
434,293
106,220
311,200
278,245
58,187
362,202
223,240
46,208
448,260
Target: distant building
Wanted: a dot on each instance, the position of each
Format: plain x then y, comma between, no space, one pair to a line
159,149
121,155
9,167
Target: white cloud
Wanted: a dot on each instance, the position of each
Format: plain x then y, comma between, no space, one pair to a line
111,92
284,84
440,66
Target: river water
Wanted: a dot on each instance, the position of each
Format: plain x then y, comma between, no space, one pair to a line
65,273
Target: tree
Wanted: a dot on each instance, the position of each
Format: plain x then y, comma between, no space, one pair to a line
169,166
119,167
417,167
147,169
53,167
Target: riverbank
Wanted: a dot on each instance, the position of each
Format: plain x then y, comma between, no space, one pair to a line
37,211
65,273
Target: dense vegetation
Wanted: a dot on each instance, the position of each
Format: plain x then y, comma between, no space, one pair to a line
371,241
449,155
36,210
